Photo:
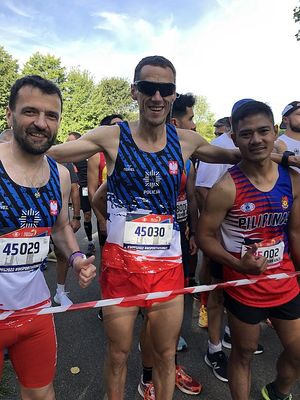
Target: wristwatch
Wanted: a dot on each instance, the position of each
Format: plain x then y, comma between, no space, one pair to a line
78,217
285,158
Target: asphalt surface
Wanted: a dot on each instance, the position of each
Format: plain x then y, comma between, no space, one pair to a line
81,343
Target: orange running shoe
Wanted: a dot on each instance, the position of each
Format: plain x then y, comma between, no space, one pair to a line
186,383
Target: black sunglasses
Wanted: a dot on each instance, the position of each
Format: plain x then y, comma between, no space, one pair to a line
150,88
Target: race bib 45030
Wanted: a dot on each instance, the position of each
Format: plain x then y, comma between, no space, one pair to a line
148,232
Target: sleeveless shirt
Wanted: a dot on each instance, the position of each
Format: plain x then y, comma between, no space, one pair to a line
142,232
26,218
261,217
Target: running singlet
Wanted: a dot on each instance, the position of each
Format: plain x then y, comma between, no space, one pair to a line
142,231
26,218
182,203
102,169
260,217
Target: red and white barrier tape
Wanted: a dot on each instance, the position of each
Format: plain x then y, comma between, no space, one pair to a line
145,296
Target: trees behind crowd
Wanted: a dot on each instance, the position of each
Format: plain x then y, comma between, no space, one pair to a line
297,19
85,101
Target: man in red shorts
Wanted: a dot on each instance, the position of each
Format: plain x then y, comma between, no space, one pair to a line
34,193
256,206
145,160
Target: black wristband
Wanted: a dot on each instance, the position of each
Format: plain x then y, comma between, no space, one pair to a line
78,217
285,158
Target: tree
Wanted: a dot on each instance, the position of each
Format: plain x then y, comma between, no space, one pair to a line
8,75
204,118
112,96
297,19
77,96
47,66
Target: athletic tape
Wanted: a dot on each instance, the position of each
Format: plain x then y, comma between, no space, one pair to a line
145,296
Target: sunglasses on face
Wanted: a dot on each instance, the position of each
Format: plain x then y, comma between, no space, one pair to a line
150,88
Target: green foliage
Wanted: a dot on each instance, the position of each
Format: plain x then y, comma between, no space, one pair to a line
77,92
112,96
86,103
8,75
297,19
204,118
47,66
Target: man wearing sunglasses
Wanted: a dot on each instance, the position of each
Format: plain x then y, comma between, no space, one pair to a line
145,161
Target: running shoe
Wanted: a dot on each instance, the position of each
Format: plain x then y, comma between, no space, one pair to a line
149,393
62,299
182,344
226,342
186,383
203,318
51,257
146,389
91,250
218,362
268,393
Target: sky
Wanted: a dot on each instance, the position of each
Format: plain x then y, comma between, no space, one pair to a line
224,50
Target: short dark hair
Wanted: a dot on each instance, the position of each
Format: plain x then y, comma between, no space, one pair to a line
35,81
181,103
107,120
77,135
225,121
248,109
157,61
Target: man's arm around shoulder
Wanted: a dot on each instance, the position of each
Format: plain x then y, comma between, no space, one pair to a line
193,143
103,138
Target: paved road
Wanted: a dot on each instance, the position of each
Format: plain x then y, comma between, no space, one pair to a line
81,343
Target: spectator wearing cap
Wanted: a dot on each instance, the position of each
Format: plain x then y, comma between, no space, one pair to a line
290,140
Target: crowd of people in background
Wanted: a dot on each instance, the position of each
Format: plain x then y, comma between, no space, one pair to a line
172,210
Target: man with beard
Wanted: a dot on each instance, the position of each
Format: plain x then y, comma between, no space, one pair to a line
34,193
145,161
290,140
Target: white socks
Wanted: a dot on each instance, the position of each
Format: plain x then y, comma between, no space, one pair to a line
214,348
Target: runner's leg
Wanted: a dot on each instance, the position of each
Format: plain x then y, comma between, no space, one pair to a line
288,364
244,340
119,325
165,321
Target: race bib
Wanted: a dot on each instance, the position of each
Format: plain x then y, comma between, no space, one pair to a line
182,210
272,249
148,232
22,250
85,192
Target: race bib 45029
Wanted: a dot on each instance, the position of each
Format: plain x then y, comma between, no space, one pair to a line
24,249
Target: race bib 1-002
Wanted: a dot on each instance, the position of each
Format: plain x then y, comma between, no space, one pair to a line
148,232
272,249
